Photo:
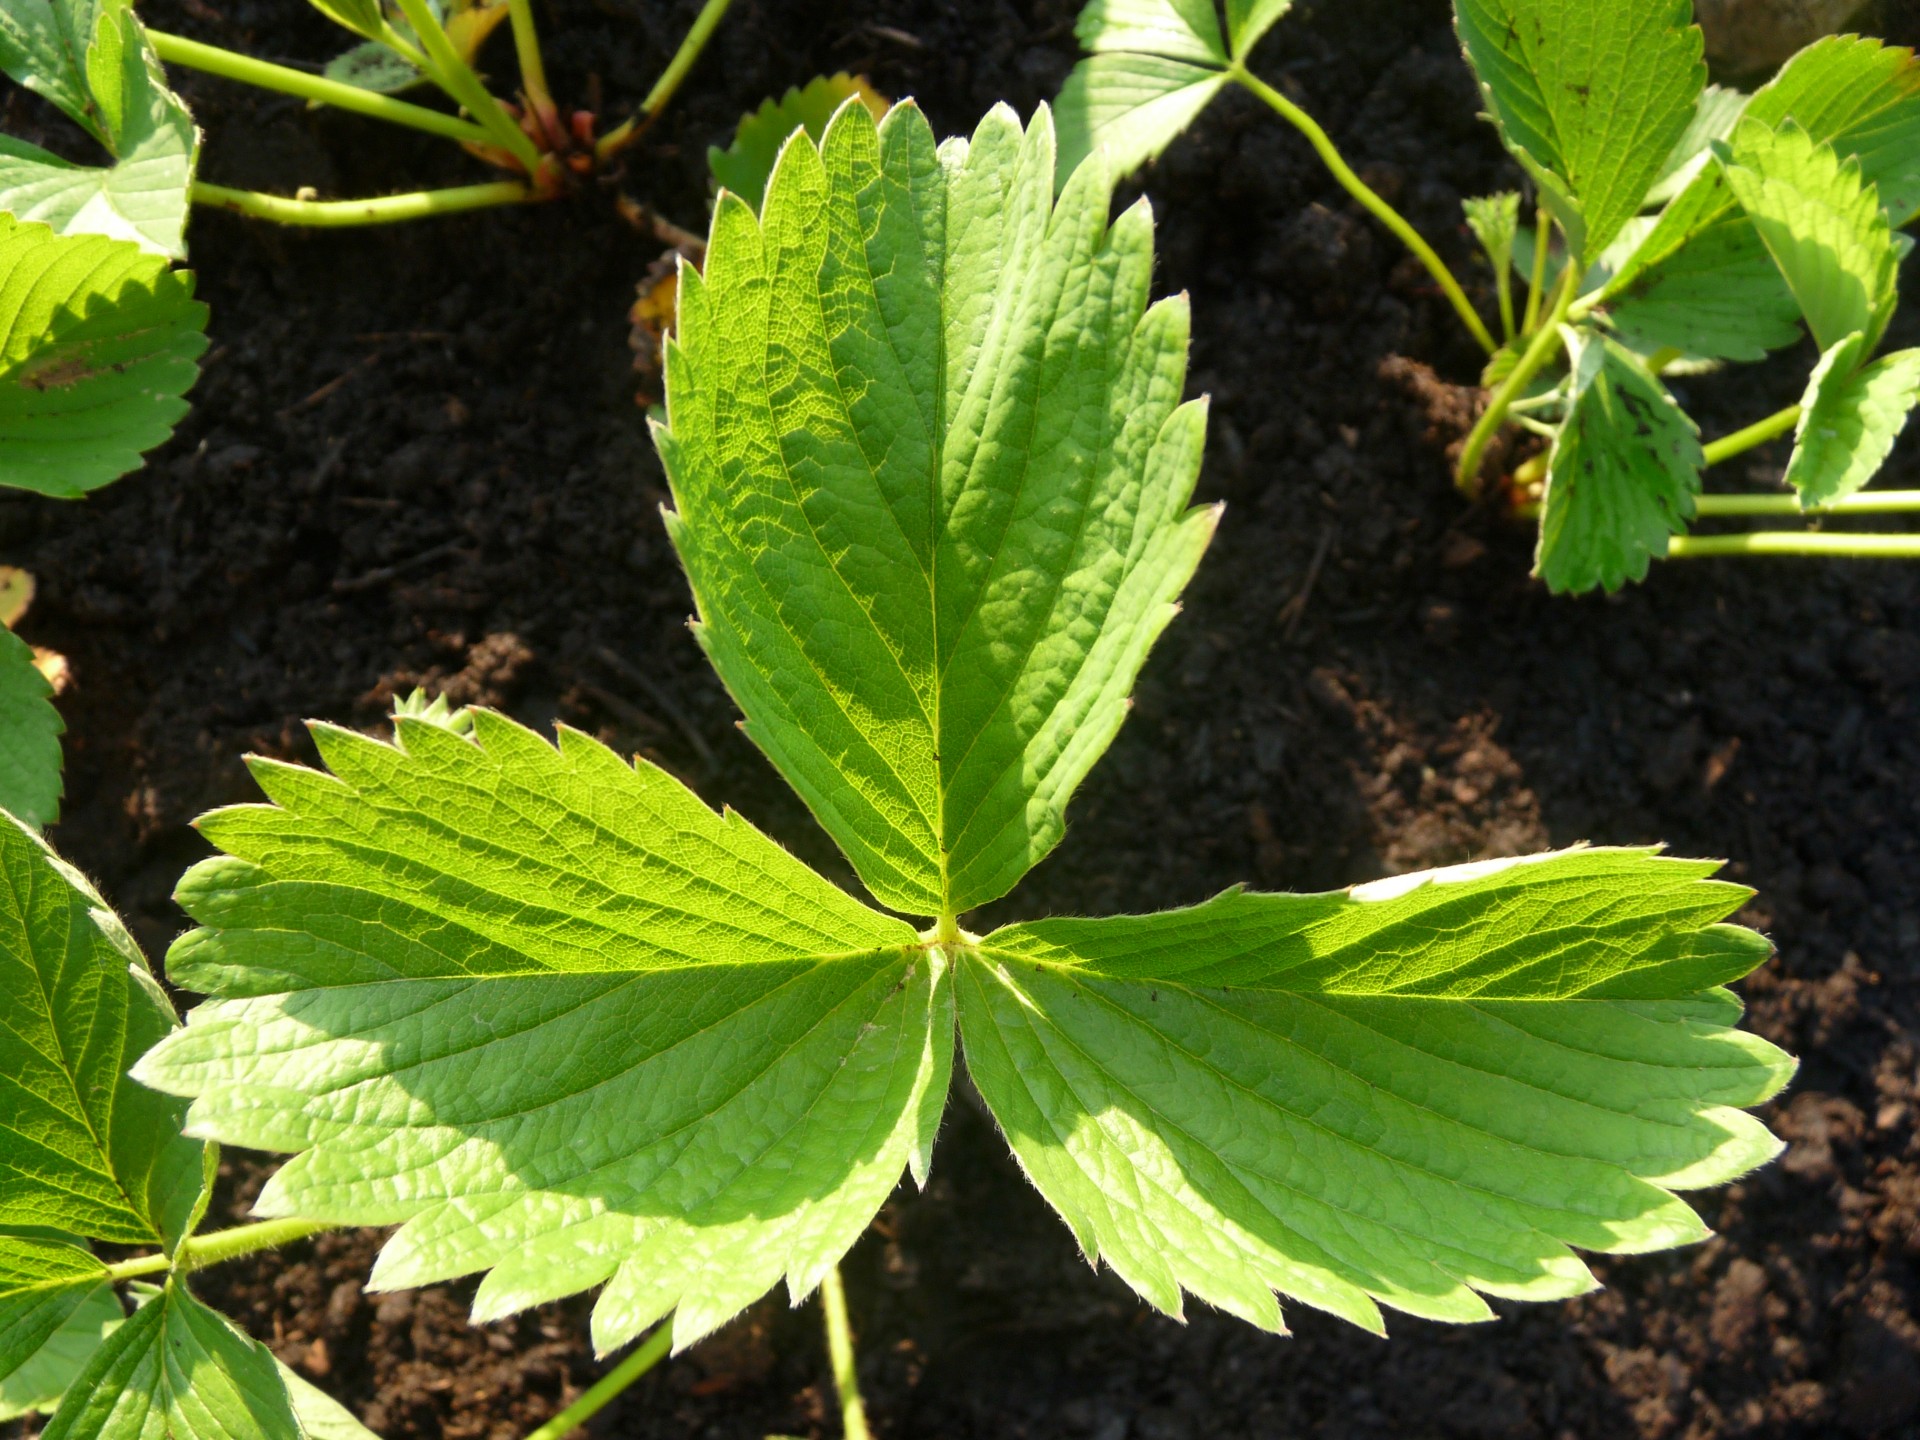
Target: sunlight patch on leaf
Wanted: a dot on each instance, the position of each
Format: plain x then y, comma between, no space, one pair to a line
1864,97
1850,418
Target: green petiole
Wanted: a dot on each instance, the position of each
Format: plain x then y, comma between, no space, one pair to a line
846,1379
701,31
380,210
602,1392
1383,212
263,74
1545,344
533,66
1867,502
456,77
203,1250
1758,433
1537,283
1792,542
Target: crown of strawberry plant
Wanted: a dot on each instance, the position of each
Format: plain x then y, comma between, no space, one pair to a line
561,1023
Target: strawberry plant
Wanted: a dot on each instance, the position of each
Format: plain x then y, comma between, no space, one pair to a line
1678,226
98,63
566,1027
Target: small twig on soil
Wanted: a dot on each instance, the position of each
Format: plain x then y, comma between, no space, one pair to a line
329,462
622,707
332,386
1295,610
651,222
628,671
374,579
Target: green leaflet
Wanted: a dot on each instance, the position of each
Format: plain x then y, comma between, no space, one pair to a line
1178,29
1701,282
177,1371
55,1306
746,165
568,1024
86,1149
1849,419
1864,97
1822,224
1494,220
91,58
30,730
1622,473
98,345
930,470
1411,1094
1248,20
1590,98
1152,66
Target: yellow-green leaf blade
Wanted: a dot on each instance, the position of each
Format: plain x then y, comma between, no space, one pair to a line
555,1018
1850,417
1412,1094
1864,97
30,730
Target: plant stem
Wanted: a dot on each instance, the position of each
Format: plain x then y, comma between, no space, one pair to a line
629,130
833,1305
1757,433
1545,344
603,1390
1796,542
456,77
1377,207
178,50
1867,502
1537,283
380,210
533,66
203,1250
1503,287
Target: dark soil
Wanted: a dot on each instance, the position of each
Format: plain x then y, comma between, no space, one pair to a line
416,458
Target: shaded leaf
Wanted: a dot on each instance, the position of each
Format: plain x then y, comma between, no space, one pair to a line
1702,282
1494,220
746,165
177,1371
1849,419
1715,114
1411,1094
30,730
1821,223
82,1147
1621,475
566,1023
1591,99
55,1306
98,344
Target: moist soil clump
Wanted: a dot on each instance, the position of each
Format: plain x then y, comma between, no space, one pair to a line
415,458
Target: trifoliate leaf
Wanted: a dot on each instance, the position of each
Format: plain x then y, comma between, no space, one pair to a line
1701,282
30,730
1177,29
82,1147
56,1305
1248,20
1864,97
1621,475
98,344
91,58
1411,1094
931,590
746,165
177,1371
1822,224
1494,220
559,1018
1849,419
1715,114
1590,98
